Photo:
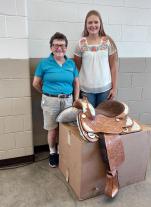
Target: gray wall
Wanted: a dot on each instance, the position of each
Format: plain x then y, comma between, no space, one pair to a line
15,109
26,26
134,85
134,81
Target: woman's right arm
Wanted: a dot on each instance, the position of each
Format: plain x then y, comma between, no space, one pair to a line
37,84
78,61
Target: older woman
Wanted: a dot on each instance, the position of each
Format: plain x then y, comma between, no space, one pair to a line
56,77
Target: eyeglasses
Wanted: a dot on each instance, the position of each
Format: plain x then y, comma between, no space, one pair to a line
56,46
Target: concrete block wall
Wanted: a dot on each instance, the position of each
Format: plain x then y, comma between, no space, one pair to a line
15,95
27,25
127,22
14,29
134,87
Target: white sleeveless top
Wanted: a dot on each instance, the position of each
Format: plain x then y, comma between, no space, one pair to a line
95,74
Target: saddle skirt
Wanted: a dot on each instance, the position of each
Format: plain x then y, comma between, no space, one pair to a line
87,136
102,123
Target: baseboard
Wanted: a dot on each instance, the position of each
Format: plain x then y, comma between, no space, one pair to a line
17,160
41,148
25,159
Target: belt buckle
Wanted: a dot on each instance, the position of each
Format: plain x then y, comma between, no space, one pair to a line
61,96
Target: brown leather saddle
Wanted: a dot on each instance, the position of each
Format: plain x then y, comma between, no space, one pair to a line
106,123
110,117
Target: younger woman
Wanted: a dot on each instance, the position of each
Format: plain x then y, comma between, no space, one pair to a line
96,59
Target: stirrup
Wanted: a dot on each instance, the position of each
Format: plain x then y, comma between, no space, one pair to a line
112,184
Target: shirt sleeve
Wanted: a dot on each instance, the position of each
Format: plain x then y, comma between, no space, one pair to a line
112,48
78,51
39,70
75,71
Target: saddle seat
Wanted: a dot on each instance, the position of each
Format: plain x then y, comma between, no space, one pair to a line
112,108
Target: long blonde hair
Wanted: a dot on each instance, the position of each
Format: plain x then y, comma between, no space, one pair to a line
96,13
101,31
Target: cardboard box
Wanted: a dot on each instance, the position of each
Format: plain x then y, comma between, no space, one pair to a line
81,163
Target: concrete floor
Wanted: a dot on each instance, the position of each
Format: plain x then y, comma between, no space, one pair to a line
38,185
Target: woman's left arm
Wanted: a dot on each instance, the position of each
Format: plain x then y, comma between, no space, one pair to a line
76,88
113,62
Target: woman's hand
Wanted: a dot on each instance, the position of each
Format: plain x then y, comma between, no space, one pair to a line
112,94
37,84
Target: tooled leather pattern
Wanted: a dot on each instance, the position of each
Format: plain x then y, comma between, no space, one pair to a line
104,124
115,150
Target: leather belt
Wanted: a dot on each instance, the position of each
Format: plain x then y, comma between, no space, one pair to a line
59,95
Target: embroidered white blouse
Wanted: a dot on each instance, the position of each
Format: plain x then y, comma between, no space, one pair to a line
95,74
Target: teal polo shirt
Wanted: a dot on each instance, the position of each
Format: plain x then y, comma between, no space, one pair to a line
56,79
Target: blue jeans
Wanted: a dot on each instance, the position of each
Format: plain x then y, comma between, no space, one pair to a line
95,98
